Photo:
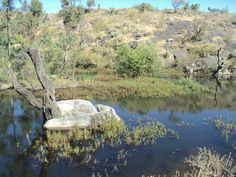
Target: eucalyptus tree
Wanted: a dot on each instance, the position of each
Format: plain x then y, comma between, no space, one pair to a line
7,6
71,15
91,4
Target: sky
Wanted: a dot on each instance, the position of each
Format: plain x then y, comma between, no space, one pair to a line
52,6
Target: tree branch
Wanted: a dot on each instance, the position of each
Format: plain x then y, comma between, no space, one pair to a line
42,77
37,103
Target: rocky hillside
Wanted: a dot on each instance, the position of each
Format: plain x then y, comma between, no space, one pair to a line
183,39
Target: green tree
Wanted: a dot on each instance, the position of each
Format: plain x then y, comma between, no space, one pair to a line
7,6
144,7
91,4
186,6
36,8
71,16
195,7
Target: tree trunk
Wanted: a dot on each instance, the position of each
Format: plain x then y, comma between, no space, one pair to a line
8,33
220,63
47,105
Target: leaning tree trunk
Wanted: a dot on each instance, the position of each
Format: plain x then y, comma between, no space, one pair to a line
47,105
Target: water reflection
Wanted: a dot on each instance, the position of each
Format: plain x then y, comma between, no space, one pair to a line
20,125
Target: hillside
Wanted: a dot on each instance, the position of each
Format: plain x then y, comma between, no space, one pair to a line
181,42
180,38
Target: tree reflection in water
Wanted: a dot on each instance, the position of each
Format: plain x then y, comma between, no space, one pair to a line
18,121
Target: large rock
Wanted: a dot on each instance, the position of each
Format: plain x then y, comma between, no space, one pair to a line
72,108
68,123
80,113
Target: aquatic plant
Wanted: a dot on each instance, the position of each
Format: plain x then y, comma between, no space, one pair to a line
208,163
81,144
226,128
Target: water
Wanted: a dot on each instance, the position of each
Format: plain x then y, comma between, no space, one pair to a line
20,123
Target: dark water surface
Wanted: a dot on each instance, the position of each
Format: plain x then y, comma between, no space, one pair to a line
20,123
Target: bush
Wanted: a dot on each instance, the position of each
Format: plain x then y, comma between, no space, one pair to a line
3,70
142,60
145,7
202,50
195,7
209,163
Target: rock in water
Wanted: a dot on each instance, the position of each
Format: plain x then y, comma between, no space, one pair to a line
80,113
68,123
103,108
71,108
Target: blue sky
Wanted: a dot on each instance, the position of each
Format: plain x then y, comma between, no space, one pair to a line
54,5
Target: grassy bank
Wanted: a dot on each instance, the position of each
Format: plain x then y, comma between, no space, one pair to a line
142,87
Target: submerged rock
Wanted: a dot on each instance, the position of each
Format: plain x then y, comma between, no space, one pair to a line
80,113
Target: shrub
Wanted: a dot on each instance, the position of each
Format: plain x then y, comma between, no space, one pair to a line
203,50
195,7
3,70
217,10
145,7
142,60
209,163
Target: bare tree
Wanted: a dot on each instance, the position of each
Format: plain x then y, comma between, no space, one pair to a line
177,4
198,30
220,63
47,104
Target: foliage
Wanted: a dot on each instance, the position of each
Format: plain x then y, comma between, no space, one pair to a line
186,6
199,29
227,129
142,87
78,142
36,8
195,7
7,5
71,16
203,50
91,3
145,7
208,163
142,60
191,86
3,70
224,10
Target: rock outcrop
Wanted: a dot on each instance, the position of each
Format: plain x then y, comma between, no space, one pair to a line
80,113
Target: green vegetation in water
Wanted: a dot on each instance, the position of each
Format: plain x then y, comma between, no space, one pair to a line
208,163
227,129
81,144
